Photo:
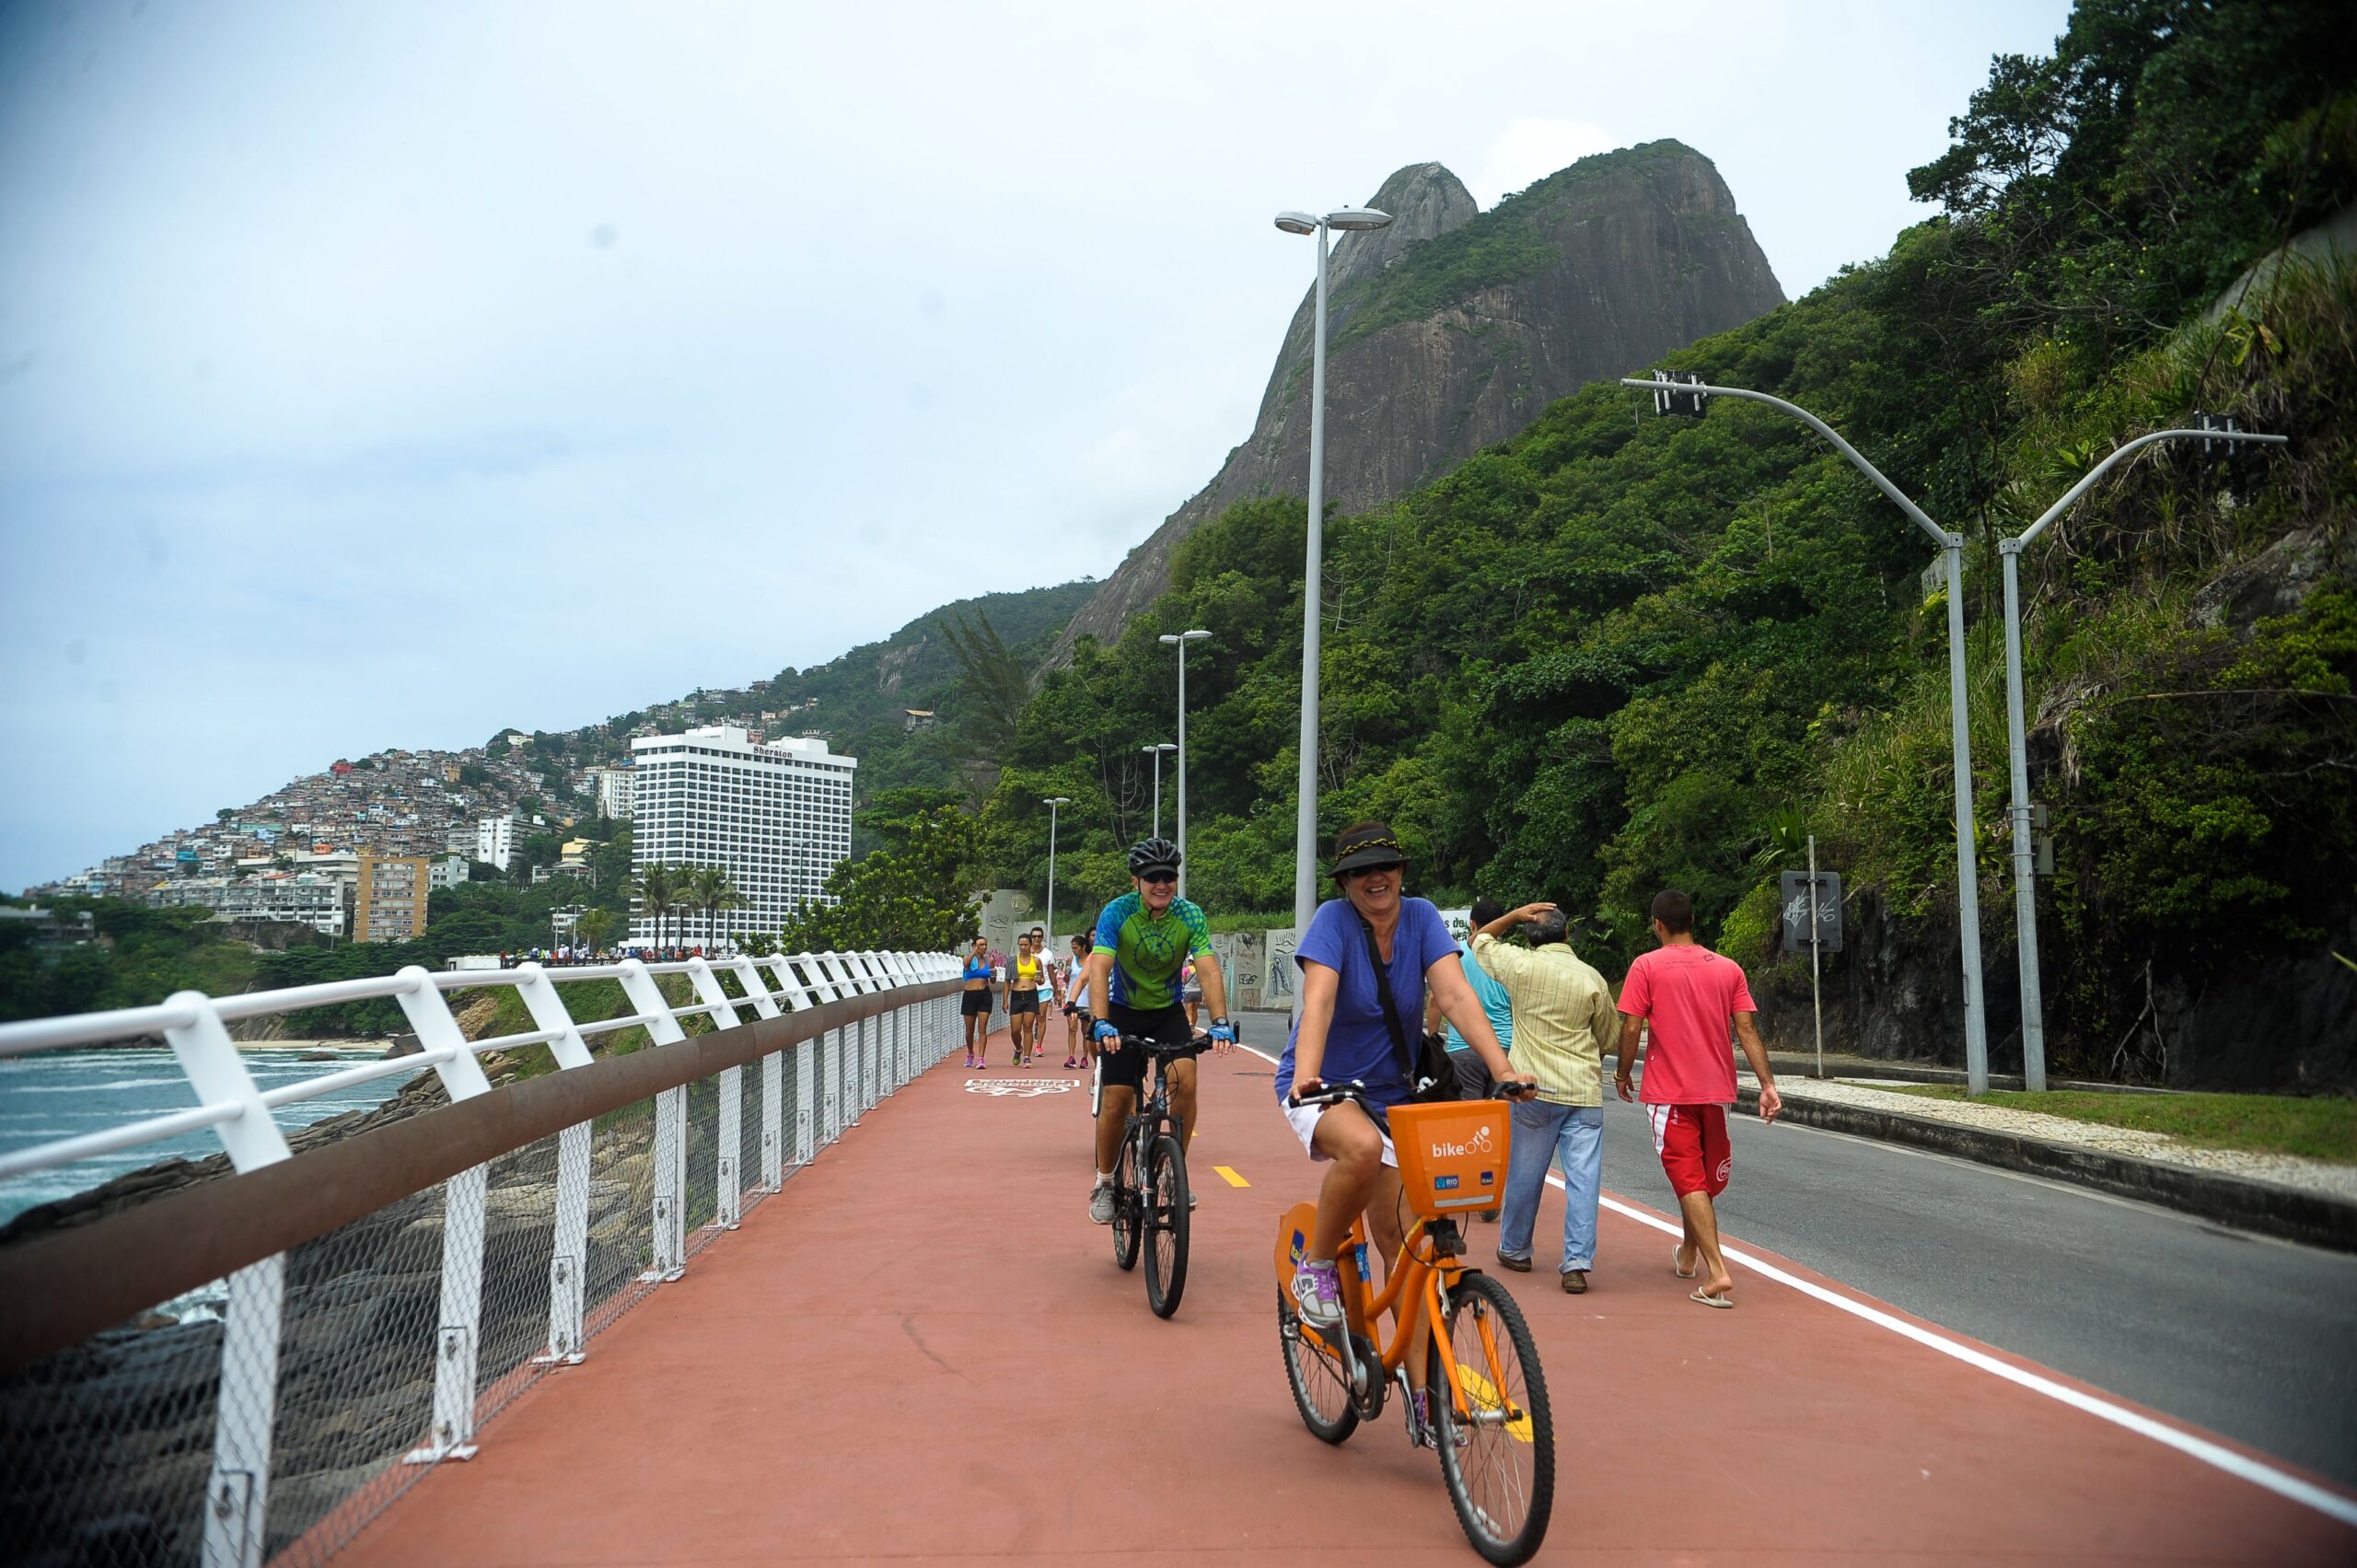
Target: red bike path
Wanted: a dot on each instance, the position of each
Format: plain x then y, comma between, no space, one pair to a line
920,1351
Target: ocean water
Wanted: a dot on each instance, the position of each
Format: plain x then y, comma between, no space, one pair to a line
63,1093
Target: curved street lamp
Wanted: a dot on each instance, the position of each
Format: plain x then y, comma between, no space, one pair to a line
1348,220
1676,394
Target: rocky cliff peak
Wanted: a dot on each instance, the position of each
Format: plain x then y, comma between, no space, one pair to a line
1423,199
1451,329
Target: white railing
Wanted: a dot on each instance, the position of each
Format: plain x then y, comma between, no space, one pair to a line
838,1074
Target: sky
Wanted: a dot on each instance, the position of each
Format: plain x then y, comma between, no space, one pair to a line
378,376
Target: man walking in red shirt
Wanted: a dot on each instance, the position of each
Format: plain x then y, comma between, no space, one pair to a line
1686,996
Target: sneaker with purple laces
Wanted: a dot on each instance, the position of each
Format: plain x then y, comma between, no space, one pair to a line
1318,1292
1423,1433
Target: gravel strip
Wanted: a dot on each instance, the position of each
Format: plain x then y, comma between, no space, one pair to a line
2288,1171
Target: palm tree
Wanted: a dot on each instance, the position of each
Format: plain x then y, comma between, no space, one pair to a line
657,887
594,929
710,889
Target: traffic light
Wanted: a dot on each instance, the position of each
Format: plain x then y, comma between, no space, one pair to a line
1667,399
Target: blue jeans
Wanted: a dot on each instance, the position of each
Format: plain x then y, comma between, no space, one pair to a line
1543,1134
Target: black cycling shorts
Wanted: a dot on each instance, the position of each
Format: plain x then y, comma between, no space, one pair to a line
1125,1068
974,1001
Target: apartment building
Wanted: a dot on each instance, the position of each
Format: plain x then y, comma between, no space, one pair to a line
613,792
303,898
495,841
449,871
776,816
388,899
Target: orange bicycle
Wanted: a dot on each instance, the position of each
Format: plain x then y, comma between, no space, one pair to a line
1491,1419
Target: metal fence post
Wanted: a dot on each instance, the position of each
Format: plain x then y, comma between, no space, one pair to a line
727,1210
670,1242
236,1490
569,1250
458,1342
806,1064
832,1045
757,987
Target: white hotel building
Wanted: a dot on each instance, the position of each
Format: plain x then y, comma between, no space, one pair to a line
776,816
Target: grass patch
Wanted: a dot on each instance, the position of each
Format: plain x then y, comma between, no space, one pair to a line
2319,1129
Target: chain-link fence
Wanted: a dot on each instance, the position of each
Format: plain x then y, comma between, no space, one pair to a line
310,1389
105,1447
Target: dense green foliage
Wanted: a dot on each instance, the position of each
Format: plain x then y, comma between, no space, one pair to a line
1620,653
141,957
911,893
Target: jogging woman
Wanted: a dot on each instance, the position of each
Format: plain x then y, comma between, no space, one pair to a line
974,1007
1077,1046
1341,1034
1024,973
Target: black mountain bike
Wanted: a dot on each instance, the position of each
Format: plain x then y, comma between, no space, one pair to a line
1155,1212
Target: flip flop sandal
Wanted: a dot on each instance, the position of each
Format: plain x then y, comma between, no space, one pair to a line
1718,1301
1684,1274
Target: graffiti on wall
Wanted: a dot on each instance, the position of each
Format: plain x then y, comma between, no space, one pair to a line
1277,974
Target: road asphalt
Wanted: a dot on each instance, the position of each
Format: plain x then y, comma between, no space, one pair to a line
2253,1338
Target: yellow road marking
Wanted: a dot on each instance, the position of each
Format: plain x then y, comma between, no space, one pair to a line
1233,1179
1481,1395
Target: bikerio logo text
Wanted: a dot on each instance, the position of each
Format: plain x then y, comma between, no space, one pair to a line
1478,1145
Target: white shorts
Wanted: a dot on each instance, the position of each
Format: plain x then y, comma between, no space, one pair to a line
1303,1118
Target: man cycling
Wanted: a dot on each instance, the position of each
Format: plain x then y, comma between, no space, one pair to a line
1143,940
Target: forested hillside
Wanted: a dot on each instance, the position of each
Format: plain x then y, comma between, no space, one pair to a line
1621,652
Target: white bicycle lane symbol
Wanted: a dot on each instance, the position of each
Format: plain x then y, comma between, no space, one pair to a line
1009,1089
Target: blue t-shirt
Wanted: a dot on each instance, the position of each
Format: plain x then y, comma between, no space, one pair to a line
1494,1002
1358,1042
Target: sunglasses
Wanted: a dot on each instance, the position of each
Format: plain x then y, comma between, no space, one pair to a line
1158,877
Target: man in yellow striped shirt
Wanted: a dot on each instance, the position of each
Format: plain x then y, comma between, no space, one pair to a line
1563,1018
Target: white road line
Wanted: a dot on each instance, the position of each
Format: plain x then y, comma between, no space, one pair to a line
2259,1473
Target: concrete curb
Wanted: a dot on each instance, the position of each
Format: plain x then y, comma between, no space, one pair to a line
2266,1207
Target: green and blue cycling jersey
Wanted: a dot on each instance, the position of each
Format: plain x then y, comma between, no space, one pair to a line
1149,955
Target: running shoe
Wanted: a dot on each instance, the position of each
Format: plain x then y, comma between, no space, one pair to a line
1422,1434
1318,1294
1070,1064
1100,1205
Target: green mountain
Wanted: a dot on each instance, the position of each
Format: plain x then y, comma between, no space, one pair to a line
1620,652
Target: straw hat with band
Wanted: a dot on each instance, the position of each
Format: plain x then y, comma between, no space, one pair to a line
1364,848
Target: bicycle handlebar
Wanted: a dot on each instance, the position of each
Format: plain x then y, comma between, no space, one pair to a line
1355,1092
1195,1046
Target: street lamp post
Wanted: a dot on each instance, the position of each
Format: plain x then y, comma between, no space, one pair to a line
1180,640
1156,751
1672,396
1051,803
2017,738
1305,870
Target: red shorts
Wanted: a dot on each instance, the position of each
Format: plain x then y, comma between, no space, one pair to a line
1692,1142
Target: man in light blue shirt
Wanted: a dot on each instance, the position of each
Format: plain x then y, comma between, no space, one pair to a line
1472,1077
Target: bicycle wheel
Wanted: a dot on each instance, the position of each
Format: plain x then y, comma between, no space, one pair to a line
1500,1465
1165,1225
1321,1390
1126,1205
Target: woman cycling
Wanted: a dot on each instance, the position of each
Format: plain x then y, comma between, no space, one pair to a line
1341,1034
974,1007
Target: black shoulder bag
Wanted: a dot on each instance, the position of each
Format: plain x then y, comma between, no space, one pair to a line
1432,1077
